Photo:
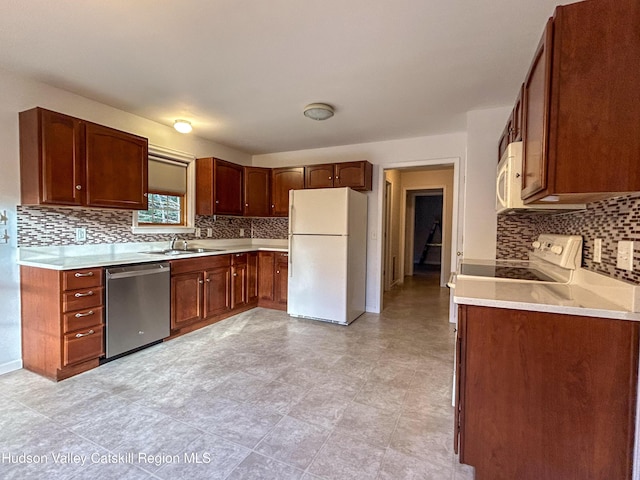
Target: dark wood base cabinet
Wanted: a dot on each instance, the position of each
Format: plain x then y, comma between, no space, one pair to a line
545,396
62,320
273,280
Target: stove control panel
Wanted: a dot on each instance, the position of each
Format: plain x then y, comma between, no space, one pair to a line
562,250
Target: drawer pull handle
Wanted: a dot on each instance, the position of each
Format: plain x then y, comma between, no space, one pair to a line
88,294
80,335
88,274
80,315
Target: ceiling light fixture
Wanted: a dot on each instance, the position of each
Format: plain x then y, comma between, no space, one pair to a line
183,126
318,111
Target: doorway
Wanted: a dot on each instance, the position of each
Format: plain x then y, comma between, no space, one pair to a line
426,243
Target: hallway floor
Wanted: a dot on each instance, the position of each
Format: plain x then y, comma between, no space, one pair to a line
256,396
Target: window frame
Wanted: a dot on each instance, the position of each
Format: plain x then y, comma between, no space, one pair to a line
189,198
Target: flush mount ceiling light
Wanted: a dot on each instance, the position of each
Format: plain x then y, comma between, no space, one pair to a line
183,126
318,111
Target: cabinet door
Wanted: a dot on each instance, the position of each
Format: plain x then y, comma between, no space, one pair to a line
266,275
281,278
252,277
217,291
516,118
186,299
319,176
238,285
228,188
116,168
257,191
204,186
283,180
505,139
535,97
357,175
52,162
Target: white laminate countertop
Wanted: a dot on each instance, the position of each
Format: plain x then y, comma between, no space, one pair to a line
72,257
591,299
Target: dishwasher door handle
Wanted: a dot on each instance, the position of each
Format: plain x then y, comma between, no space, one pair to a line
135,273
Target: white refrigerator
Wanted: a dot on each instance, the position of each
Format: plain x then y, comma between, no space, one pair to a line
327,254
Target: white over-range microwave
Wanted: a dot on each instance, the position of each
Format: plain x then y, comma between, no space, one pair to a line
509,185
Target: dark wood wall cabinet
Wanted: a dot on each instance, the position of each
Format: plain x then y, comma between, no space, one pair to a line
62,320
273,278
68,161
357,175
283,180
225,188
219,187
581,108
257,192
513,129
543,395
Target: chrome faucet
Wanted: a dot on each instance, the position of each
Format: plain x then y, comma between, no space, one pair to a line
172,245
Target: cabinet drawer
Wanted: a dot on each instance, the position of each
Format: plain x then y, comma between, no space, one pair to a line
85,278
82,299
199,264
238,258
83,345
83,319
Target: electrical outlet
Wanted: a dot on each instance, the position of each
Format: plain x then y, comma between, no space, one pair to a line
209,232
242,232
81,234
625,255
198,232
597,250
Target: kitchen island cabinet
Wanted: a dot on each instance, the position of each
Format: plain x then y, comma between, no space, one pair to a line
544,395
68,161
273,280
581,105
62,320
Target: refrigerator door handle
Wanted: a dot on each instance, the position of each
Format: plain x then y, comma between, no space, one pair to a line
289,256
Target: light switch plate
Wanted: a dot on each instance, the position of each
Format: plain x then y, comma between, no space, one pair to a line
81,234
242,232
597,250
198,232
209,232
625,255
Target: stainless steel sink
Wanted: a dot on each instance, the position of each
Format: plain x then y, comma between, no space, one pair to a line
174,251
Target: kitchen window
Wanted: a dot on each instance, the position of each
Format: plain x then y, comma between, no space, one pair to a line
170,195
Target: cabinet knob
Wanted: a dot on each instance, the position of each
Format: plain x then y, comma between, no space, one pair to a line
200,282
78,187
337,177
273,206
217,201
208,280
246,204
235,274
146,194
277,271
329,178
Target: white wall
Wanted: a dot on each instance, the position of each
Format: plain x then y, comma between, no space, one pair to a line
480,221
389,154
18,94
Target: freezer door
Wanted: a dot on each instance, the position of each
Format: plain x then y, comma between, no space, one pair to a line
322,211
318,277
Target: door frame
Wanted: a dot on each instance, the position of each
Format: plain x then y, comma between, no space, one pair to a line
457,214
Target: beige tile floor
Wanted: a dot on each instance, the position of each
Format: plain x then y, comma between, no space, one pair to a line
256,396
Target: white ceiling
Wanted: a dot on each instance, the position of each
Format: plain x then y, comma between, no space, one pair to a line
242,70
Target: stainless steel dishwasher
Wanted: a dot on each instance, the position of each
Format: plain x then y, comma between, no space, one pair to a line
138,306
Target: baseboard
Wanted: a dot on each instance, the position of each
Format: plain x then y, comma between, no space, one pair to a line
10,366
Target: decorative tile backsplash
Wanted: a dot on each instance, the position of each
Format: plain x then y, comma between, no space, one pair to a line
48,226
611,220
